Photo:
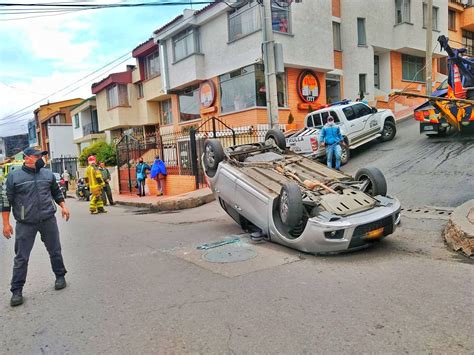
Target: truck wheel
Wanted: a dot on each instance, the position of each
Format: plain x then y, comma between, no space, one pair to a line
375,183
389,131
213,155
290,206
278,137
345,153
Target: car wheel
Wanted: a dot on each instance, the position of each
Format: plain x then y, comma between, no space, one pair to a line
389,131
278,137
345,153
290,206
213,155
374,182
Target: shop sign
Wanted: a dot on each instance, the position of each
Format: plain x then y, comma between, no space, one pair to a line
207,94
308,86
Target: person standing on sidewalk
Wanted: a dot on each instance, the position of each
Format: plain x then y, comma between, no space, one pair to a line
95,182
29,192
158,172
66,177
331,138
141,169
106,191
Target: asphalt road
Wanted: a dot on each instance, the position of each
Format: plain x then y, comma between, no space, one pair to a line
137,283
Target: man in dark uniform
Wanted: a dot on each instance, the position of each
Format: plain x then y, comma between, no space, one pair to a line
30,193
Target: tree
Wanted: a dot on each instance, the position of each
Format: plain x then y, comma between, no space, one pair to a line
102,151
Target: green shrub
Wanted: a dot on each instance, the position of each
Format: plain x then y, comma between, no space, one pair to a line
102,151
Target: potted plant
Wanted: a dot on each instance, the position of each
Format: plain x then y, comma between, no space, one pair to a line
290,123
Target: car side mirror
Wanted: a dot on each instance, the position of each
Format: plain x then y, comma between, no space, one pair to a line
374,109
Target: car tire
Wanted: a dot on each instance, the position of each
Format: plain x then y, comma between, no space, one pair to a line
213,155
345,153
290,205
377,185
389,131
278,137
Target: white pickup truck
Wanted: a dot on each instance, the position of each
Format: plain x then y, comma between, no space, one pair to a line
359,124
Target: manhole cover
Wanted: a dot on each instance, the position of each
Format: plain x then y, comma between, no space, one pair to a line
229,254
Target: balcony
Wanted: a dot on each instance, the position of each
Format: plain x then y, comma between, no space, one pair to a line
89,129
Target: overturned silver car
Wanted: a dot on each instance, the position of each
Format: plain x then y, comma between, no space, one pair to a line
298,202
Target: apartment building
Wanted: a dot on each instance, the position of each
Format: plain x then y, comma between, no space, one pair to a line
461,24
52,113
85,124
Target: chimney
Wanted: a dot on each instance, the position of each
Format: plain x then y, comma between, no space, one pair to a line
130,67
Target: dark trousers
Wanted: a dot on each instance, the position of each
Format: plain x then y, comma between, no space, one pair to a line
67,185
141,187
24,240
107,192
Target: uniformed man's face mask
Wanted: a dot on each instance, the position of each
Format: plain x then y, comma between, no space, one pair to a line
39,163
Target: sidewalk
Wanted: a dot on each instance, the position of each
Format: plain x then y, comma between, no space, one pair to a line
459,232
167,203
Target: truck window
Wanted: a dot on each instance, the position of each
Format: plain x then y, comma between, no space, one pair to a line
309,121
349,113
361,110
325,115
317,119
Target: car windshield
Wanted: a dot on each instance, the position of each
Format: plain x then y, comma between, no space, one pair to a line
443,85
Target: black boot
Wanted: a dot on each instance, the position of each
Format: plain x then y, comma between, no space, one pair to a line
17,298
60,283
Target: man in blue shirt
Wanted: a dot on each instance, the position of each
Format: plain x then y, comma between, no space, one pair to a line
331,138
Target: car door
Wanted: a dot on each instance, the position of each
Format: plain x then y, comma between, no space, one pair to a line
357,116
251,203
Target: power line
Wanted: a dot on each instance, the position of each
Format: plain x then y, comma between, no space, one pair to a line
70,85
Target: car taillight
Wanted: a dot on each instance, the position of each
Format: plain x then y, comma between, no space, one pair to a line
314,144
419,116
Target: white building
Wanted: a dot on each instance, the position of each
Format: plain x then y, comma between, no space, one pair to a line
85,124
61,143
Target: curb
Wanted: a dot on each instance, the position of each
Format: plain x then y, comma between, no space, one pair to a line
180,203
404,118
459,232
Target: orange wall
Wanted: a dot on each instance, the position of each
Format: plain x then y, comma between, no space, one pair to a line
338,59
174,185
336,8
398,82
256,116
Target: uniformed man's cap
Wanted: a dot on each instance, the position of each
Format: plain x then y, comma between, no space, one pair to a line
34,151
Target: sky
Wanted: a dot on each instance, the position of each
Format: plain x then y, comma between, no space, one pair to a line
41,55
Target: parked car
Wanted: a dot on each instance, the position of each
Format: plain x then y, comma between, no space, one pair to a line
296,201
359,125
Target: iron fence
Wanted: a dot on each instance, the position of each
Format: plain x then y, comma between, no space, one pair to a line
58,165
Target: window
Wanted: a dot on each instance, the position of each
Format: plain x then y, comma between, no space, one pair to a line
140,93
320,119
361,37
245,87
152,65
76,120
166,113
413,68
402,11
186,43
451,19
362,84
435,17
468,42
361,110
336,36
349,113
117,95
189,104
280,17
244,21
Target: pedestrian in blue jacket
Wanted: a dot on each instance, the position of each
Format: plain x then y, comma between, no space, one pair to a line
158,172
141,170
331,138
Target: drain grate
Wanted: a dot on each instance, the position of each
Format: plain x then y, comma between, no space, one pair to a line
428,212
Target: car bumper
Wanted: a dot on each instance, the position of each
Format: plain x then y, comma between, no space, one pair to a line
349,233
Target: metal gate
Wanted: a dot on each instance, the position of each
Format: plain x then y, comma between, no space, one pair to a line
58,165
128,151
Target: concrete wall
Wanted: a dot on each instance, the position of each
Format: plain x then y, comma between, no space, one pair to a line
61,141
309,45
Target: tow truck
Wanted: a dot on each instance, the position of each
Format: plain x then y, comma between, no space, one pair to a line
451,104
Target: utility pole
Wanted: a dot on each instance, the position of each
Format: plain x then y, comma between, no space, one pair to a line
269,63
429,55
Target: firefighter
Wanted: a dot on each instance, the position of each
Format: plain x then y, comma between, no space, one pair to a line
94,180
